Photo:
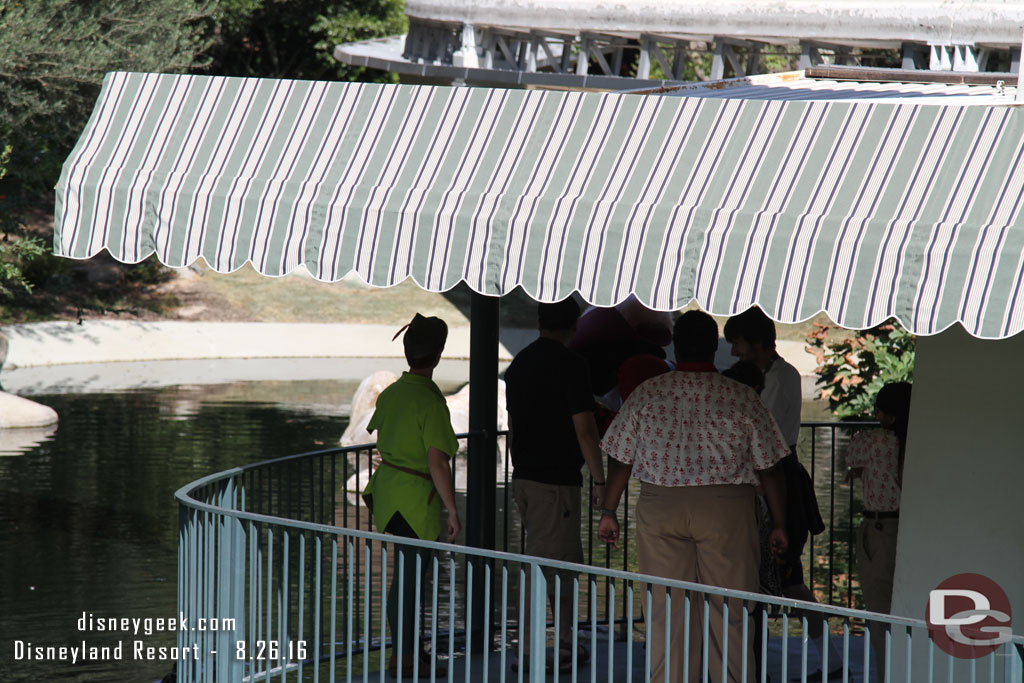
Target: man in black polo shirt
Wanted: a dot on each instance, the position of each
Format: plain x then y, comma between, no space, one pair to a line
553,432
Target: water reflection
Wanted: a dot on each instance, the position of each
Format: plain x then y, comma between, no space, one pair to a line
20,440
88,521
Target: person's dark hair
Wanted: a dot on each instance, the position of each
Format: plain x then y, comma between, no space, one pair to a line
424,340
894,400
745,372
754,326
695,335
559,316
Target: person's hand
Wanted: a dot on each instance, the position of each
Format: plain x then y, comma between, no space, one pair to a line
454,526
597,496
778,541
608,530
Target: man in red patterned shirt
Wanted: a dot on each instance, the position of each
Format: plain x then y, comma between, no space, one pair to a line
698,442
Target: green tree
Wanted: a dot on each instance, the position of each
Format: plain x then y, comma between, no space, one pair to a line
54,53
53,57
296,39
18,252
852,369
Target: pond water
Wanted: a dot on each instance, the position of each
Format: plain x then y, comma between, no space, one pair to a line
88,520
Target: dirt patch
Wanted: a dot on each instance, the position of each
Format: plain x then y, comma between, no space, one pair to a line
204,294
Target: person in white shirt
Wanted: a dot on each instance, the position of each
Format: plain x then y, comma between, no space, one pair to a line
752,335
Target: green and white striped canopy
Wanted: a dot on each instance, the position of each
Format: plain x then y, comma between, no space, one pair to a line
864,210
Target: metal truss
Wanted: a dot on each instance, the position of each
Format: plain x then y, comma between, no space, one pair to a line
563,58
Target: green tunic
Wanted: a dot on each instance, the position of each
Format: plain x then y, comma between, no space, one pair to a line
411,417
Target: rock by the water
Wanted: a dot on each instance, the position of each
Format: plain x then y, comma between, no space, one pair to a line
363,403
365,400
458,407
16,411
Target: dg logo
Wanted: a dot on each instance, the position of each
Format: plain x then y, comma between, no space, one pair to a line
969,616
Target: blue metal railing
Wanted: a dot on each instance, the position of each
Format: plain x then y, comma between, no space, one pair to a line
292,586
828,559
820,449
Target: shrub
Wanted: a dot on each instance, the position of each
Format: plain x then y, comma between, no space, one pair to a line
852,369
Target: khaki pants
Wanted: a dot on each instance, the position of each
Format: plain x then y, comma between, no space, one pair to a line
551,514
876,564
704,534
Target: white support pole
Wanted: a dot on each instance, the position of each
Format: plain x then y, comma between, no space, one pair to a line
718,60
643,67
490,45
940,58
965,58
466,56
538,623
584,56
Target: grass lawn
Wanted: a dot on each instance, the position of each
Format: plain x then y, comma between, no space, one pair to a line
247,295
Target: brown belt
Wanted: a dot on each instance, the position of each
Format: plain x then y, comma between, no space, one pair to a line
887,514
415,473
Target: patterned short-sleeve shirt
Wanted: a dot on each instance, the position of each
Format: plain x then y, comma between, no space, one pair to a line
877,451
694,427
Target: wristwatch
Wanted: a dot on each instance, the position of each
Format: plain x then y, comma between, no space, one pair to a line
610,513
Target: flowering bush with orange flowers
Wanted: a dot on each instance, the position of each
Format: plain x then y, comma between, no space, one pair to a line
852,369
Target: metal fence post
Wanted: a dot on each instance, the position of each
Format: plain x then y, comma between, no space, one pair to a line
538,622
230,582
185,576
228,550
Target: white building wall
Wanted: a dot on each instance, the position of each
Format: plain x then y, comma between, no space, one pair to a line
962,508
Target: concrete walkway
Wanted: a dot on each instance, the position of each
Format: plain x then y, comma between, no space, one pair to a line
627,663
101,341
100,355
108,341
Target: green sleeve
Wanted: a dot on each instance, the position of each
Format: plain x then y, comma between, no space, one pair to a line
437,429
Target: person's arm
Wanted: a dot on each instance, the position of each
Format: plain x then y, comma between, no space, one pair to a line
618,478
587,436
856,456
774,484
441,473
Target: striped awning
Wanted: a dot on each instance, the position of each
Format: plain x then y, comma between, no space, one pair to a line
864,210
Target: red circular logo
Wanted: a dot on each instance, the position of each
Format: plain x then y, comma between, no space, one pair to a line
968,616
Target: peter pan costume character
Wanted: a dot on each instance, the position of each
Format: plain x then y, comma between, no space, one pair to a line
415,439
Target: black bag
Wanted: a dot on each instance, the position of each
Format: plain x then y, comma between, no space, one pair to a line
802,513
